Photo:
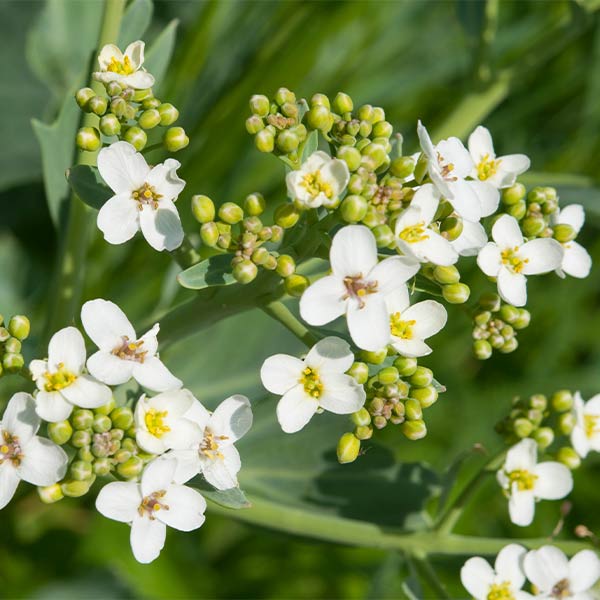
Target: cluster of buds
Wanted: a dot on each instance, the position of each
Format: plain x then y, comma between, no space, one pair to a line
11,337
535,211
495,326
448,279
102,442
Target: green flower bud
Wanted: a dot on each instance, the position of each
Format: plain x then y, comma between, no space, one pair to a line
106,409
136,137
537,195
361,417
287,141
289,109
481,318
97,105
353,209
209,234
568,457
131,468
422,377
130,112
522,427
426,395
351,156
60,433
140,95
283,96
285,265
118,107
363,432
562,400
231,213
50,493
564,233
122,417
497,341
88,139
384,236
348,448
451,228
149,118
286,215
544,436
414,430
12,346
533,226
83,96
81,438
245,271
276,234
517,210
413,409
380,421
129,442
383,129
4,334
406,366
388,375
122,455
295,285
509,313
82,418
102,466
538,401
113,88
168,114
175,139
566,423
509,346
378,114
260,256
254,204
80,470
119,434
264,141
203,208
110,125
513,194
252,225
150,103
456,293
490,301
402,167
254,124
342,103
259,105
320,100
85,454
319,117
551,206
446,275
523,320
373,358
373,156
482,349
360,372
75,489
13,363
366,113
101,423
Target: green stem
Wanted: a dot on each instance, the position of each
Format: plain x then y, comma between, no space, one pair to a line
280,312
186,255
427,572
69,279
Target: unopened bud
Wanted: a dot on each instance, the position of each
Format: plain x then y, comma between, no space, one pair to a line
319,117
203,208
348,448
490,301
209,234
373,357
168,114
110,125
422,377
259,105
402,167
353,209
81,438
517,210
137,137
406,366
564,233
118,107
451,228
13,363
383,129
82,418
413,409
522,427
342,103
568,457
388,375
513,194
88,139
361,417
50,493
283,95
254,204
509,345
131,468
245,271
295,285
97,105
60,433
482,349
426,396
285,265
544,436
12,346
360,372
121,417
533,226
149,118
231,213
19,327
363,432
456,293
286,215
80,470
566,423
101,423
260,256
384,236
75,489
414,430
83,96
102,466
254,124
523,320
287,141
446,275
264,141
562,400
175,139
351,156
320,100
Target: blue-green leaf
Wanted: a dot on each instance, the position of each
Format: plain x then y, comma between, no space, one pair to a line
159,54
210,272
310,145
86,182
135,22
233,498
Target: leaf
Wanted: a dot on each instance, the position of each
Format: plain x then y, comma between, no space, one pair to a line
159,54
471,15
136,20
211,272
233,498
86,182
310,145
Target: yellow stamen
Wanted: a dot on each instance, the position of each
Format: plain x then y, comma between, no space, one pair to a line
155,423
525,480
58,380
590,423
130,350
312,382
210,445
487,167
315,185
414,233
500,591
146,195
401,329
358,288
123,67
512,260
152,504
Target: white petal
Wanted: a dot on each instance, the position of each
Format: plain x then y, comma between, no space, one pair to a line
147,538
150,341
573,215
436,249
331,355
425,140
521,507
554,481
221,473
119,501
166,182
153,375
545,567
295,409
135,53
149,443
43,462
410,348
335,172
106,324
175,402
522,456
472,238
506,232
512,287
20,418
186,508
9,480
323,301
232,418
542,256
67,347
580,441
108,52
488,195
465,200
123,169
398,300
184,434
109,369
38,368
453,151
118,219
391,273
281,372
162,226
489,259
430,317
353,251
341,394
510,166
158,475
52,407
477,576
426,199
584,571
188,464
315,161
480,144
86,392
576,261
140,80
369,326
508,564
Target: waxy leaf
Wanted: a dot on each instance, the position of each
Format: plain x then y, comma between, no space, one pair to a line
136,20
86,182
210,272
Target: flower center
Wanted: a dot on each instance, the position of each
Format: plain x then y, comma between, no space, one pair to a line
525,480
146,195
312,383
487,167
500,591
58,380
123,67
445,168
414,233
10,449
152,504
155,422
358,288
512,260
210,444
401,329
130,350
561,589
315,185
590,424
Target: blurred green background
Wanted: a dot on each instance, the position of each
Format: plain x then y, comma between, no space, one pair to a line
535,85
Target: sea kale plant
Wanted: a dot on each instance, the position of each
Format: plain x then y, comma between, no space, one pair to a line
363,262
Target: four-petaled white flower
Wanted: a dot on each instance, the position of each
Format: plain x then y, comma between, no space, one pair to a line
24,455
215,455
586,432
525,481
413,235
411,325
471,240
576,260
319,382
510,259
121,354
144,198
61,381
151,505
161,424
449,164
357,287
555,576
124,68
319,181
503,582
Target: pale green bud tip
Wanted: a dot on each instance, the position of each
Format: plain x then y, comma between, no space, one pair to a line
102,466
106,409
568,457
260,256
348,448
422,377
254,124
426,396
403,166
286,215
259,105
81,470
149,118
88,139
131,468
231,213
113,88
283,96
446,275
83,96
456,293
360,372
60,433
414,430
517,210
544,436
361,417
406,366
136,137
513,194
254,204
285,265
141,95
168,114
383,129
110,125
203,208
101,423
566,423
175,139
19,327
562,400
384,236
75,489
81,438
122,417
50,493
264,141
82,418
319,117
522,427
13,362
245,271
209,233
353,209
388,375
97,105
287,141
351,156
490,302
451,228
12,346
533,226
342,103
413,409
564,233
295,285
363,432
374,358
538,401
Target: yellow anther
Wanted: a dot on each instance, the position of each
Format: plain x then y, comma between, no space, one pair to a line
155,422
4,449
315,185
401,329
358,288
123,67
414,233
312,382
512,260
152,503
525,480
590,423
58,380
130,350
487,167
146,195
501,591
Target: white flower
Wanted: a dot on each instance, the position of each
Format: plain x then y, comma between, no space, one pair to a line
556,577
316,383
510,259
24,455
161,424
576,260
319,181
411,325
151,505
144,198
586,432
498,172
121,354
449,164
61,381
525,481
215,456
125,69
504,581
413,235
357,287
471,240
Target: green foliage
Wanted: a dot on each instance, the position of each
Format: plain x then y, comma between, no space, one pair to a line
87,184
213,271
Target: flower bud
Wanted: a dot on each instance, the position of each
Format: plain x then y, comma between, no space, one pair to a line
122,455
283,95
342,103
107,408
566,423
513,194
388,375
353,209
319,117
80,470
260,256
380,422
363,432
139,95
118,107
13,363
509,313
295,285
373,358
131,468
231,213
110,125
12,346
289,109
538,401
175,139
88,139
490,301
97,105
122,417
361,417
533,226
60,433
4,334
286,215
568,457
562,400
285,265
75,489
544,436
383,129
149,119
50,493
456,293
413,409
209,234
264,141
254,124
81,438
348,448
245,271
374,155
426,396
150,103
482,349
254,204
351,156
203,208
85,454
252,225
287,141
102,466
564,233
360,372
83,96
101,423
414,430
517,210
384,236
406,366
522,427
402,167
259,105
481,318
422,377
509,345
113,88
136,137
451,228
446,275
168,114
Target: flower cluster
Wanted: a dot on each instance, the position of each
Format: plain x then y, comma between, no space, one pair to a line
11,338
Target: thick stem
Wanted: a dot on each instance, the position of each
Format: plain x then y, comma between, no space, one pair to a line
280,312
